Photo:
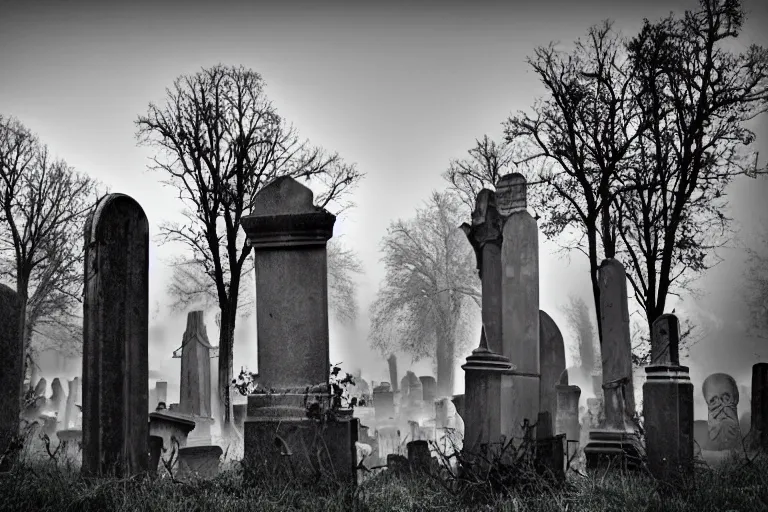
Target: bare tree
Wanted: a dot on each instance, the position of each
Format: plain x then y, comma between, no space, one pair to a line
220,140
430,289
44,207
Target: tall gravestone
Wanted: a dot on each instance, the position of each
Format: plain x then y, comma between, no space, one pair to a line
668,405
11,370
195,382
552,362
617,435
58,399
288,234
392,363
759,427
485,236
115,338
519,305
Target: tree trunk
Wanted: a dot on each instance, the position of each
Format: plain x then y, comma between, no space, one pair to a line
226,345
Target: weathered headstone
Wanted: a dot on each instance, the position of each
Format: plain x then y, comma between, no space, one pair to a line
552,363
11,372
483,395
428,388
288,235
115,338
759,430
392,363
668,406
485,236
195,382
383,402
722,397
617,436
567,414
519,305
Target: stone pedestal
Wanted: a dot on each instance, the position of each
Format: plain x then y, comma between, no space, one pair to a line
115,338
199,462
281,439
668,414
483,399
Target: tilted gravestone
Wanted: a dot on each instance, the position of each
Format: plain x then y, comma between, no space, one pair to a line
668,406
519,306
115,338
288,234
617,435
552,363
11,372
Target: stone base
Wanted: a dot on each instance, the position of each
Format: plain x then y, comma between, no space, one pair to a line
199,461
614,448
280,439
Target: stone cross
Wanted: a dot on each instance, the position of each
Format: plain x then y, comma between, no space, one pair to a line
11,369
115,339
519,305
668,406
552,359
484,234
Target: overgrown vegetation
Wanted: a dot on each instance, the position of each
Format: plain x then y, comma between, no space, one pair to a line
44,486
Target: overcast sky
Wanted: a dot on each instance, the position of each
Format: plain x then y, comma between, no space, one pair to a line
398,89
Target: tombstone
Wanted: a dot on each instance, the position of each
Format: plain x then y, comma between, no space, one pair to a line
58,398
550,459
485,236
383,402
195,382
199,462
419,457
519,305
155,452
392,363
41,388
429,388
11,373
617,436
567,414
668,406
722,397
288,235
70,442
552,363
759,405
170,425
115,338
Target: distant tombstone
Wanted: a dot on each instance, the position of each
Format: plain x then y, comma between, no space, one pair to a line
58,398
722,396
392,363
511,193
759,406
552,361
41,388
567,413
195,382
428,388
668,406
115,338
11,371
383,402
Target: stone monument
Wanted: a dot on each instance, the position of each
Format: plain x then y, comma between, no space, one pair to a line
552,362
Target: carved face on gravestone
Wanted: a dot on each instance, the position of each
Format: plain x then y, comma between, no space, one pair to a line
722,396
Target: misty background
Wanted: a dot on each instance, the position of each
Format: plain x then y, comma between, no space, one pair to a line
398,89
